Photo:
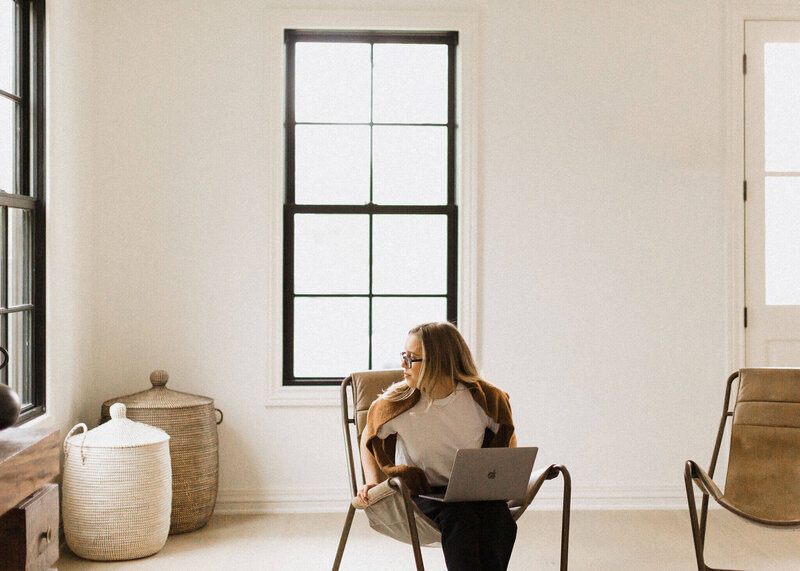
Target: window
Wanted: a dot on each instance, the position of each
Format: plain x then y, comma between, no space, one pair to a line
21,200
370,219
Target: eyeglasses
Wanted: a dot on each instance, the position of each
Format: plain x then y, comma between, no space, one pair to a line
408,362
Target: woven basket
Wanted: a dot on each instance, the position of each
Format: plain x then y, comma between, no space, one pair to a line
116,489
191,422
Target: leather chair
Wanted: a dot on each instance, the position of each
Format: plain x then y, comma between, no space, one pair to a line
763,480
408,523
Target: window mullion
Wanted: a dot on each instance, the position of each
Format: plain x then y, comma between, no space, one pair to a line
23,79
371,296
17,201
4,320
452,266
371,180
451,124
288,217
290,124
288,293
452,217
367,208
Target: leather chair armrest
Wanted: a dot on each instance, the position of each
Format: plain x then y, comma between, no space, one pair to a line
703,481
537,478
375,494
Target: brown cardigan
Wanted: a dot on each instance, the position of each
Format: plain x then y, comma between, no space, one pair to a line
492,400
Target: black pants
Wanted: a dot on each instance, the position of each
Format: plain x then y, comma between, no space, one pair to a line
476,536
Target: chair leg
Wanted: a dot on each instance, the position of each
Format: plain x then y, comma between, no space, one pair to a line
703,519
412,522
343,540
412,527
698,526
697,536
565,511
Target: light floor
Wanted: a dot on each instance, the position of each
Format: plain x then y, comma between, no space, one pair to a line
599,540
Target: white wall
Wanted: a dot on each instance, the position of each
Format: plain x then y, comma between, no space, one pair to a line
70,210
603,166
602,233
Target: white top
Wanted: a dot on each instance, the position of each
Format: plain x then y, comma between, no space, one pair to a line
430,440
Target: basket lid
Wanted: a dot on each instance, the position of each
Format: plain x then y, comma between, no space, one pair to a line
119,432
159,396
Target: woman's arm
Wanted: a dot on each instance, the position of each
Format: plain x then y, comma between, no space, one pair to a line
372,473
371,470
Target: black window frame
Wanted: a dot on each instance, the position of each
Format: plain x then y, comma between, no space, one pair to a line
30,176
450,209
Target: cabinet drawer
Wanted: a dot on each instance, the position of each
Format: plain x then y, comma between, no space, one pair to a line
29,532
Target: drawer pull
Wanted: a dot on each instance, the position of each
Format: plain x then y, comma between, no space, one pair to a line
45,539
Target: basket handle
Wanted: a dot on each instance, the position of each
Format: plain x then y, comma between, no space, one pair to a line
220,416
73,429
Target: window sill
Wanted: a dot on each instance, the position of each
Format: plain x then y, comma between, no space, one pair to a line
42,419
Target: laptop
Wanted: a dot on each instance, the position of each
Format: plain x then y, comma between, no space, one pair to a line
482,474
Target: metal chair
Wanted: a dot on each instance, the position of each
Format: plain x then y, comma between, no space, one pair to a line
365,388
763,480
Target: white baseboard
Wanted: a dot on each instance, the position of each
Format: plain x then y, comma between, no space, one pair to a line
616,498
336,500
283,500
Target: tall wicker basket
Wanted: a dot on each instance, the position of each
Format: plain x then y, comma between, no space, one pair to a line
191,422
116,489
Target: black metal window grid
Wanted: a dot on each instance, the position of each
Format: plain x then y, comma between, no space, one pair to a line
22,219
371,209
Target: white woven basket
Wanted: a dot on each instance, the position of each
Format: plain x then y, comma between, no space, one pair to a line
117,489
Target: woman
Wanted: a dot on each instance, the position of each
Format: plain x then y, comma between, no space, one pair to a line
415,428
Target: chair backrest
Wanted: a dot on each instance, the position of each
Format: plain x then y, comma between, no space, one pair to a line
367,385
764,463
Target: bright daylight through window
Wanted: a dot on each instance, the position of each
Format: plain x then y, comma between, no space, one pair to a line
370,216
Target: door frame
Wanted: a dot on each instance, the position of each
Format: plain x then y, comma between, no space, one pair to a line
736,13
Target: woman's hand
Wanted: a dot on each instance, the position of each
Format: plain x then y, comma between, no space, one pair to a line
362,493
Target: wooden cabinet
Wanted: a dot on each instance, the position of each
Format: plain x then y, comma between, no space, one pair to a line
29,503
29,532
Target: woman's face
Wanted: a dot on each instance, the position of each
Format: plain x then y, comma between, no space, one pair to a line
413,350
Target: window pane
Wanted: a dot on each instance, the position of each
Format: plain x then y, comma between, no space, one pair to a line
8,50
8,131
19,256
331,253
781,107
393,317
782,240
331,336
410,254
332,164
332,82
410,165
410,83
19,355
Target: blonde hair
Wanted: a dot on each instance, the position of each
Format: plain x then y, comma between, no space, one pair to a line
445,355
